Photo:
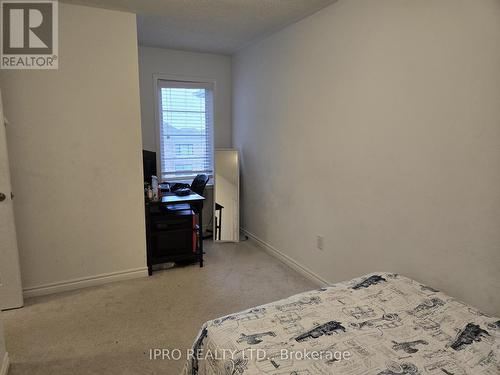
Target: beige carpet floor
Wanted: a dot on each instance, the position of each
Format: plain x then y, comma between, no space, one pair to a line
109,329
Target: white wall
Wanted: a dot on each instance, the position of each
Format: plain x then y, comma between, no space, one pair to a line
2,348
377,125
191,65
75,149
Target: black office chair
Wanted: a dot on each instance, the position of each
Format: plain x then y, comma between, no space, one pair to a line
197,186
199,183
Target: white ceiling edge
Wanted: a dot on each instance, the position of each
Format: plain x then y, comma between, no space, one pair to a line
254,40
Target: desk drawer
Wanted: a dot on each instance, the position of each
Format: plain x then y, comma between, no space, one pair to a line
164,226
169,222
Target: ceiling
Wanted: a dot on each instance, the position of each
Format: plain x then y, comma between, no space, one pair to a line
217,26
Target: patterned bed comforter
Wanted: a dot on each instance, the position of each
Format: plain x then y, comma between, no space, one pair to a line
379,324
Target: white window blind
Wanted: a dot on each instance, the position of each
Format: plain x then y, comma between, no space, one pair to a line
186,125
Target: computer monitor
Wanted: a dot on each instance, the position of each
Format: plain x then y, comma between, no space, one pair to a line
148,164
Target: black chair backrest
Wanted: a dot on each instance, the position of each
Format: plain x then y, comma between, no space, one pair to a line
199,183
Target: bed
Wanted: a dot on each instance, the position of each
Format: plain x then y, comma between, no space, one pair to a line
381,323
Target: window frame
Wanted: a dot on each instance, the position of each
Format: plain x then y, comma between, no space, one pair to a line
182,80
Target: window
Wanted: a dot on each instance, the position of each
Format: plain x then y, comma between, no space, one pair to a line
184,149
185,129
183,166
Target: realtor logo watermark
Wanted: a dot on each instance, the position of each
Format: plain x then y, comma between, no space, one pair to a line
29,37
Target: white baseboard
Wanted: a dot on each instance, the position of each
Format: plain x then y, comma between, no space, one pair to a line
84,282
290,262
4,369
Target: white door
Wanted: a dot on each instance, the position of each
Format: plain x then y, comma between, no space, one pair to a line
10,278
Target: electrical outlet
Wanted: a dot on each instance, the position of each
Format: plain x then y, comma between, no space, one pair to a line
320,242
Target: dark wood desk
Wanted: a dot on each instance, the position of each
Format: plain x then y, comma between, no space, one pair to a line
171,198
170,222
